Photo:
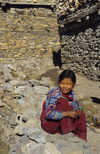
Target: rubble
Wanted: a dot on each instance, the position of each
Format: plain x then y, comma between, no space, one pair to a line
67,7
20,109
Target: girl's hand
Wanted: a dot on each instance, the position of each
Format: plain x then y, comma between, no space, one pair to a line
78,112
72,114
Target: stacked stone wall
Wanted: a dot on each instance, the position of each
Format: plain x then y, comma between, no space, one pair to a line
33,30
28,31
80,46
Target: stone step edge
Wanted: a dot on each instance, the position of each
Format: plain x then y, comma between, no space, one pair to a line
27,3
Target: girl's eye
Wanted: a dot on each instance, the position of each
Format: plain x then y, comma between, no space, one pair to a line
62,83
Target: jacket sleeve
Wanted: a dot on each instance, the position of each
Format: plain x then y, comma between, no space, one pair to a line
75,103
50,110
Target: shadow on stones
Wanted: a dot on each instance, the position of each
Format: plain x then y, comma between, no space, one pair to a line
53,74
7,6
95,100
57,58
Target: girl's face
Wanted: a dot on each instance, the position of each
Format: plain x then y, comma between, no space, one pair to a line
66,85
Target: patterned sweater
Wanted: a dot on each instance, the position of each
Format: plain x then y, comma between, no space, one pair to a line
50,105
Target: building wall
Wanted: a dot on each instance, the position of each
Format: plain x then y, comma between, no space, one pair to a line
33,30
28,31
80,46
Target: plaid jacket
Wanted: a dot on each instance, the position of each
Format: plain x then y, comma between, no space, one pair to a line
52,97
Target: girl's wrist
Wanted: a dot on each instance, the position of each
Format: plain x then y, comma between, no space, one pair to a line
65,114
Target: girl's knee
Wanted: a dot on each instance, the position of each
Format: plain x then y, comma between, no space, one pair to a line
62,101
63,105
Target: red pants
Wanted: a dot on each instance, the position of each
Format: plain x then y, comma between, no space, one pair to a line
66,124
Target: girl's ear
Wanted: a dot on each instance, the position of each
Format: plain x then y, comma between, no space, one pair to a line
74,85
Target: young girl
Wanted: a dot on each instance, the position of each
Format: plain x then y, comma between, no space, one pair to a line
61,112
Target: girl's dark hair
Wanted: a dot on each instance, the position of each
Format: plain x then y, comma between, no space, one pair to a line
67,74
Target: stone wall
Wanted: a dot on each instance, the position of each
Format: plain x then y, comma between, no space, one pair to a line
80,42
81,52
38,30
28,30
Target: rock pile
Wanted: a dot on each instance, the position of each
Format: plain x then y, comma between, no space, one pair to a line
80,51
20,108
69,6
21,104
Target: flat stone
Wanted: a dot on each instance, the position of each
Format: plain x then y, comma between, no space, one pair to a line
1,104
98,34
70,137
31,147
34,82
8,87
19,89
24,138
38,136
97,130
27,92
51,149
12,67
77,152
20,129
7,74
21,101
2,113
29,113
41,90
38,114
4,46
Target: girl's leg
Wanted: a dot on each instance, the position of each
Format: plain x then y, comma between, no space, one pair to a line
59,126
52,126
65,123
80,127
